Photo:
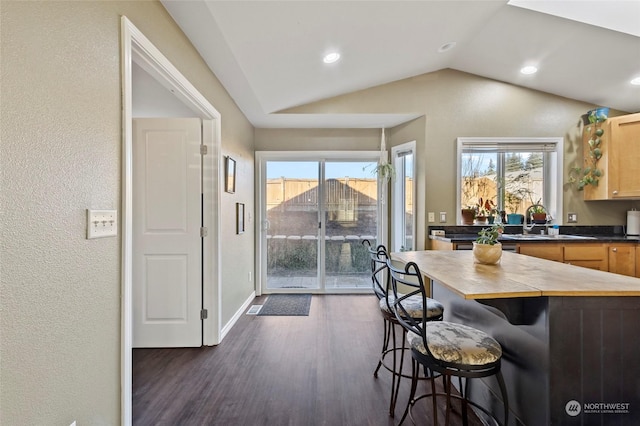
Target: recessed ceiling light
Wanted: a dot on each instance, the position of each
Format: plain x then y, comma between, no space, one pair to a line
331,57
530,69
636,81
447,46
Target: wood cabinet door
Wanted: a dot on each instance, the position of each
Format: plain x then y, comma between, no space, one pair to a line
588,255
624,179
441,245
549,251
622,259
638,261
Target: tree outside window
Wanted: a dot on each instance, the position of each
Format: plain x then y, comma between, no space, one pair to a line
514,186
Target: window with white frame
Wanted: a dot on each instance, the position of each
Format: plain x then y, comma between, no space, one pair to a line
510,174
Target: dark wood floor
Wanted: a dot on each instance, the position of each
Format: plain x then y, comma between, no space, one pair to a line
272,371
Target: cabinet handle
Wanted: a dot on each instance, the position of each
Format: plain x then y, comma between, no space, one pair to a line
614,249
615,192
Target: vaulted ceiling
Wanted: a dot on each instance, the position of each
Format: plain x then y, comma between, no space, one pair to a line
268,54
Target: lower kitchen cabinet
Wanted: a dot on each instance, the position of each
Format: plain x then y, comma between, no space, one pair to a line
594,256
549,251
441,245
622,259
619,258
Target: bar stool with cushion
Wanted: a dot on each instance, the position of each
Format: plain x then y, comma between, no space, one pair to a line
451,349
381,283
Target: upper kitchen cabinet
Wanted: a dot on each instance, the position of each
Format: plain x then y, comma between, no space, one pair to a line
620,145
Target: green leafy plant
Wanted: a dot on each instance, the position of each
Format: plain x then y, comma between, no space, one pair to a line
590,174
383,171
490,235
537,207
386,171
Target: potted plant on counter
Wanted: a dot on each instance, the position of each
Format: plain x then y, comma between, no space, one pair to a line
486,248
468,215
538,214
485,211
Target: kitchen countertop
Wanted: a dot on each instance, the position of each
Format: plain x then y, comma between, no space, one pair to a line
568,233
463,238
516,276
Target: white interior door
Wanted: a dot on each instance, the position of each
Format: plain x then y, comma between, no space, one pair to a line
167,217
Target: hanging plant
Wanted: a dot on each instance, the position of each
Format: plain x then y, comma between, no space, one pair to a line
383,170
590,174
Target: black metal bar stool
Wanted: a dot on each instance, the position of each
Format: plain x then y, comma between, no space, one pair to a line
381,282
451,349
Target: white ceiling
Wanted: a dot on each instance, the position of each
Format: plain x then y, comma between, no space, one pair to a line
268,54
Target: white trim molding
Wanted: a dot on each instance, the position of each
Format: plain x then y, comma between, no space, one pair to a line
137,48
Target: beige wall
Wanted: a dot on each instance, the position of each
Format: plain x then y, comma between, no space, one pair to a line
414,131
458,104
317,139
61,154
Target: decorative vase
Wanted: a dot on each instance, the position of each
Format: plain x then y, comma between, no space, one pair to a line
486,253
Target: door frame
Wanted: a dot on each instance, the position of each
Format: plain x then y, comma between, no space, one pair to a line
397,195
261,158
136,47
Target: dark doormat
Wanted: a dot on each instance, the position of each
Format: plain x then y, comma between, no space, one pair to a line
286,305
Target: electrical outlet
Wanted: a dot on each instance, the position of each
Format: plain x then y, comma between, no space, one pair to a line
431,217
443,217
572,218
102,223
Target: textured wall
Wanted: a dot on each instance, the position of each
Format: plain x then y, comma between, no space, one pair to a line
317,139
457,104
60,154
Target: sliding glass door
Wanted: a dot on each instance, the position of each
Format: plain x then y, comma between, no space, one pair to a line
292,231
315,211
351,216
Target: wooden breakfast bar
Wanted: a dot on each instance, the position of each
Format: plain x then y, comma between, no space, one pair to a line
570,335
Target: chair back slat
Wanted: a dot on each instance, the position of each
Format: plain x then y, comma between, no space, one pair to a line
380,279
410,278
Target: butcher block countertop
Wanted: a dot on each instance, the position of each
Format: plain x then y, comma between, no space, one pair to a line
516,276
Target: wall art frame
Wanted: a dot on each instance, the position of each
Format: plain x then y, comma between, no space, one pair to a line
229,175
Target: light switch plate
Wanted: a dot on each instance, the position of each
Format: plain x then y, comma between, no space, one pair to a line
431,217
443,217
102,223
572,217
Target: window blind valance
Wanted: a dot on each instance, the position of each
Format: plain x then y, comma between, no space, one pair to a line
492,147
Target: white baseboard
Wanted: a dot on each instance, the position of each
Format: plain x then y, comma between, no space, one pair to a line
227,327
